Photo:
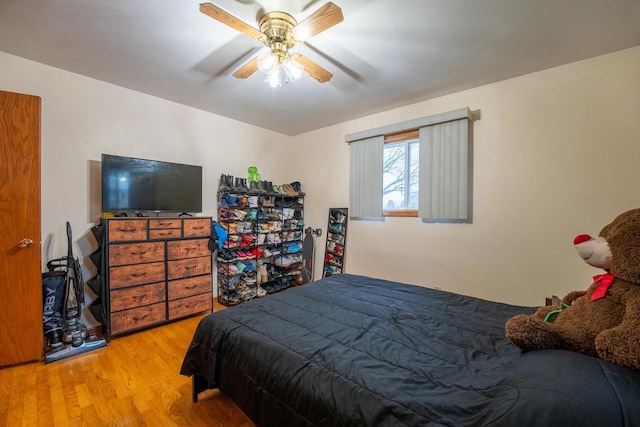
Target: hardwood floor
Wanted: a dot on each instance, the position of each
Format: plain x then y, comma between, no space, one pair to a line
134,381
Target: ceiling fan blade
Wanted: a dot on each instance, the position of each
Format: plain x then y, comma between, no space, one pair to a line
226,18
325,17
247,69
313,69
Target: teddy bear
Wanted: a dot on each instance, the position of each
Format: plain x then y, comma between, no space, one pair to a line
604,320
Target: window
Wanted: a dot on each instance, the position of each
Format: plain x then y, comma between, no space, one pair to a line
401,174
424,163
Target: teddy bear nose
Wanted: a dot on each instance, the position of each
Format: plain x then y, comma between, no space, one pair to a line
581,239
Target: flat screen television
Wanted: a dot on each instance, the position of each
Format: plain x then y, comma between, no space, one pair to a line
140,185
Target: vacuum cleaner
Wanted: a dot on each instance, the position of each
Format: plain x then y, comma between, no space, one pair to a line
63,297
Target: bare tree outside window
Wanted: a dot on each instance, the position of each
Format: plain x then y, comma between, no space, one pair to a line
400,175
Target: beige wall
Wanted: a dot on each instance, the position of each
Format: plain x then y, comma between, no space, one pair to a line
556,154
83,117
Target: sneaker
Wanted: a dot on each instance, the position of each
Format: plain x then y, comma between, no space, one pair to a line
225,214
246,241
249,295
294,248
287,213
226,255
239,214
230,298
335,228
251,266
275,216
336,238
261,239
246,254
258,252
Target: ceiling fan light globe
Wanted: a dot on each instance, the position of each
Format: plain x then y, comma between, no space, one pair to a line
293,69
274,77
267,63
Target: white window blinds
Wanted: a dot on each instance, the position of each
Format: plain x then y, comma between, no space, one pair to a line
444,172
365,184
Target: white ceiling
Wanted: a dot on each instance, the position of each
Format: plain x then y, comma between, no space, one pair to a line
385,54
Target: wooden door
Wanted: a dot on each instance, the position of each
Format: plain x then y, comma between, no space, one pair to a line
21,337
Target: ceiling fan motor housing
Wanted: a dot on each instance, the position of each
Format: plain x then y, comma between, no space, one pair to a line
277,26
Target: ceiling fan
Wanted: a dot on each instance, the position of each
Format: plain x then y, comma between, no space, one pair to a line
280,32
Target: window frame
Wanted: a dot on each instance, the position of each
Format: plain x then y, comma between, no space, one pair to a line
393,138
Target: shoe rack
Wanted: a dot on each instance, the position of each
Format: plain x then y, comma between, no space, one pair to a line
262,253
334,258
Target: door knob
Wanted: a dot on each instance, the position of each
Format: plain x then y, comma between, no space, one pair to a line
25,243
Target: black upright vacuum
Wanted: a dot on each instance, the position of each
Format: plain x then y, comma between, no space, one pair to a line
63,297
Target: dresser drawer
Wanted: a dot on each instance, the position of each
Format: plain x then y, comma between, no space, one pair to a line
197,227
189,267
190,305
165,223
188,249
137,274
188,287
127,320
135,253
122,299
165,233
127,229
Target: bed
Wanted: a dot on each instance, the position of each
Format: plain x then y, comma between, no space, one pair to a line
351,350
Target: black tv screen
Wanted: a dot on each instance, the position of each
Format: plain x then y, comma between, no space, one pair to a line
134,185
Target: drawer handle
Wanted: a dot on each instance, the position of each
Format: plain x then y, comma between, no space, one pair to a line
142,274
190,249
197,228
190,287
164,223
139,297
166,233
138,253
189,267
127,230
139,318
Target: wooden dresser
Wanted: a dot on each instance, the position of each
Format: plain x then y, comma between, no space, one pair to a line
154,270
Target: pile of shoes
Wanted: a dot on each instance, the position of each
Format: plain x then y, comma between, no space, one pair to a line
262,251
